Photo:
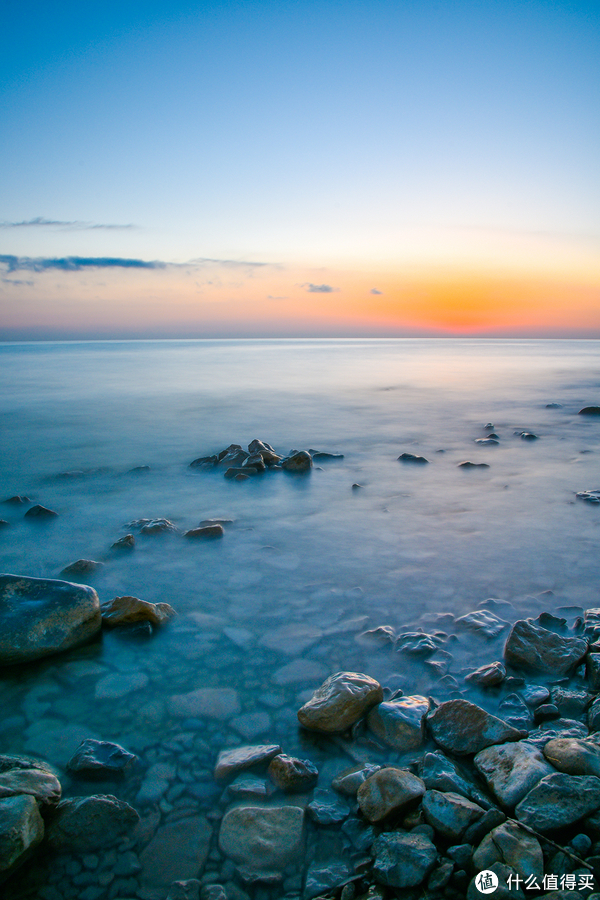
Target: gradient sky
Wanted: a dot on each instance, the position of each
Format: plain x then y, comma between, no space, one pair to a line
304,168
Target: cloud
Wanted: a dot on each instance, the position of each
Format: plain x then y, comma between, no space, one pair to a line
228,263
375,291
75,263
16,281
76,225
319,288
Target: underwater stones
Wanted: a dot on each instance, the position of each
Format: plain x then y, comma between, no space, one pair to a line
590,411
327,809
301,461
450,814
118,684
40,512
230,762
292,775
340,702
511,770
129,610
212,703
205,531
559,800
41,616
412,458
530,646
21,829
127,542
388,792
177,852
400,723
464,728
402,860
483,622
264,840
573,756
100,759
418,643
82,567
488,675
83,824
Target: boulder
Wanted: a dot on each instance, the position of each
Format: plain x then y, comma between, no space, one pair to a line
40,512
513,846
230,762
512,770
573,756
559,800
36,781
264,840
488,675
450,814
129,610
443,774
530,646
590,411
349,781
40,616
340,702
100,759
388,792
412,458
85,824
298,462
82,567
127,542
400,723
270,458
292,775
206,531
403,860
464,728
21,829
482,622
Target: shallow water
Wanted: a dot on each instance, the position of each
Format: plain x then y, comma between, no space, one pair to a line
308,563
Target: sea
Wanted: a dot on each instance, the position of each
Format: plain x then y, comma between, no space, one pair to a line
311,565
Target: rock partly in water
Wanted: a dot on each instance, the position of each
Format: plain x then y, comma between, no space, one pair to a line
40,512
487,676
292,775
400,723
326,808
573,756
558,801
530,646
41,616
82,567
465,728
349,781
84,824
127,542
590,411
176,853
483,622
18,777
129,610
230,762
21,830
412,458
340,702
215,530
388,792
301,461
511,770
101,759
467,464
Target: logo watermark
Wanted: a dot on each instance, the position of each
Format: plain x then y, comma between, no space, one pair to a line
486,881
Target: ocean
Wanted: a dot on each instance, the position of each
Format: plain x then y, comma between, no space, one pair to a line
104,433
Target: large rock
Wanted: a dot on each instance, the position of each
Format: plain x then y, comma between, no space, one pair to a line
292,775
128,610
573,756
514,847
559,800
512,770
230,762
298,462
442,774
349,781
530,646
402,860
38,782
40,616
400,723
450,814
84,824
463,728
340,702
100,759
262,839
388,792
177,852
21,829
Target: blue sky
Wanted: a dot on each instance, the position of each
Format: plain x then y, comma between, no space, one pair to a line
354,143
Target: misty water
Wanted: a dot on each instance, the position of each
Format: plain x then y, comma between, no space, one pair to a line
308,562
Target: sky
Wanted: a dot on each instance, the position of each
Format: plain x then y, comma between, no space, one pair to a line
299,168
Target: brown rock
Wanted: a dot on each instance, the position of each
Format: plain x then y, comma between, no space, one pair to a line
389,791
340,702
127,610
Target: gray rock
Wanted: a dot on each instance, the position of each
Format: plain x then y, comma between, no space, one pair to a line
512,770
230,762
534,694
488,675
514,847
263,839
340,702
590,411
82,567
442,774
483,622
297,462
21,829
205,531
388,792
156,526
177,852
101,759
292,775
592,671
212,703
403,860
559,800
327,809
418,643
464,728
127,542
40,512
515,711
573,756
37,782
270,458
571,703
412,458
41,616
320,878
349,781
400,723
529,646
83,824
450,814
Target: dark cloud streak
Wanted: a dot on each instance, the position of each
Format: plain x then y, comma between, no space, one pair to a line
40,221
75,263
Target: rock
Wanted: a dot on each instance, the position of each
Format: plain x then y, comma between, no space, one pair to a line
298,462
177,852
204,462
189,889
417,643
116,685
511,770
292,775
559,800
35,780
592,671
128,610
205,531
320,878
529,646
127,542
214,703
40,512
483,622
327,809
464,728
340,702
412,458
230,762
534,694
487,676
402,860
570,703
557,728
400,723
514,847
349,781
515,711
450,814
324,455
589,496
82,567
262,839
545,712
269,457
41,616
590,411
380,636
21,829
238,473
442,774
387,792
528,436
573,756
100,759
17,500
467,464
249,787
487,442
84,824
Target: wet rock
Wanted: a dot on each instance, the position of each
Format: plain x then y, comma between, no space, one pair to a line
204,462
534,694
230,762
592,671
388,792
515,711
320,878
238,473
514,847
545,712
570,703
101,759
17,500
403,860
528,436
487,442
589,496
488,675
205,531
464,728
400,723
573,756
380,636
559,800
83,824
512,770
298,462
412,458
322,455
292,775
177,852
262,839
41,616
340,702
128,610
349,781
270,458
450,814
483,622
82,567
590,411
327,809
249,787
19,777
189,889
556,728
127,542
157,526
593,716
40,512
467,464
529,646
214,703
417,643
21,829
443,774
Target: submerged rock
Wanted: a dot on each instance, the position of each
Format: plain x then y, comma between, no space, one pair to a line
174,858
41,616
340,702
100,759
464,728
40,512
412,458
467,464
262,839
530,646
291,775
483,622
488,675
82,567
84,824
127,542
300,461
349,781
230,762
129,610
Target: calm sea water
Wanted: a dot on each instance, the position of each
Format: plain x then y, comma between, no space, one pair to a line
309,562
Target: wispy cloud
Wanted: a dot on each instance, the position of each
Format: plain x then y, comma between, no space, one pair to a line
375,291
75,263
228,263
41,222
16,281
319,288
